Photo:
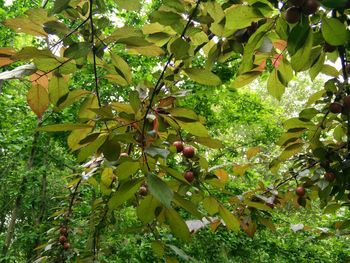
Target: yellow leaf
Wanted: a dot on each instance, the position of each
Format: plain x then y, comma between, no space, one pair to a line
222,175
252,152
38,99
240,169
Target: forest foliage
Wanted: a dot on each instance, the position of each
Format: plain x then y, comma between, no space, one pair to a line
141,125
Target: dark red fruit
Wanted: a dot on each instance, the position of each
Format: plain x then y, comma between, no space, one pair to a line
310,7
293,15
335,107
329,48
188,151
63,231
62,239
346,103
329,176
124,155
66,246
189,176
300,191
178,145
143,190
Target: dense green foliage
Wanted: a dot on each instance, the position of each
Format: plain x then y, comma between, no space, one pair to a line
94,94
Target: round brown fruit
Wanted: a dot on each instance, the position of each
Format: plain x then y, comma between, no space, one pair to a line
293,15
66,246
188,151
335,107
178,145
63,231
329,48
143,190
62,239
300,191
329,176
189,176
310,7
346,103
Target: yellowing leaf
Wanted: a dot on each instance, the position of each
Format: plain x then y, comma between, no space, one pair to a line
203,76
252,152
222,175
240,169
230,220
65,127
38,99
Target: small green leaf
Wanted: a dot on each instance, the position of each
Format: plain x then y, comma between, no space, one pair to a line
126,169
125,192
158,248
195,128
130,5
334,31
180,48
78,50
159,189
183,113
211,205
230,220
111,149
59,6
244,79
203,76
274,85
241,16
91,148
177,224
147,209
187,205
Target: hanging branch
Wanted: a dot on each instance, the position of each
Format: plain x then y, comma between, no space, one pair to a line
159,83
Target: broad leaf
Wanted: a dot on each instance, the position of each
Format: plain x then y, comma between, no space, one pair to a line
38,99
159,189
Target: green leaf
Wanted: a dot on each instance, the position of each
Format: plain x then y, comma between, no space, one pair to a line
334,31
245,79
209,142
72,97
211,205
203,76
159,189
122,67
230,220
38,99
158,248
147,209
65,127
177,225
241,16
195,128
90,102
107,176
135,101
290,151
274,86
78,50
125,192
126,169
58,87
317,67
184,113
154,151
130,5
301,59
111,149
187,205
59,6
92,148
180,48
257,205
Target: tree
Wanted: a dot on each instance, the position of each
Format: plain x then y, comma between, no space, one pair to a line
129,137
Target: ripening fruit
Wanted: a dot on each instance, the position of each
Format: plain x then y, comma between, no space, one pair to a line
329,48
189,176
63,231
310,7
66,246
188,151
293,15
62,239
346,103
178,145
335,107
143,190
329,176
300,191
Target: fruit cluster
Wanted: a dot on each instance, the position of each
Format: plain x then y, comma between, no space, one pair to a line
188,152
299,7
63,238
